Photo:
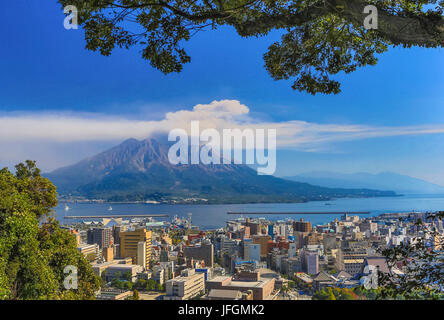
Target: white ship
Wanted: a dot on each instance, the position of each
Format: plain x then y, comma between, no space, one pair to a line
66,207
110,208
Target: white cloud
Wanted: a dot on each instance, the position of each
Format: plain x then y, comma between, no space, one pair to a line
222,114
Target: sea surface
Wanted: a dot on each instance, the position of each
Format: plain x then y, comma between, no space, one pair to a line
215,216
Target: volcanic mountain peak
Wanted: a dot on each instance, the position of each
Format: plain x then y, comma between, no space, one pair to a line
140,170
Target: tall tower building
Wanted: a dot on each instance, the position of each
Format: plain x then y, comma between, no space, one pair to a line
129,244
262,240
311,262
101,236
302,226
141,254
117,229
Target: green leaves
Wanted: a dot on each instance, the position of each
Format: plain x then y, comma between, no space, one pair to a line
40,191
33,256
324,37
319,49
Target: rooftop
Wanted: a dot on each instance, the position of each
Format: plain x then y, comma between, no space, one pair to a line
223,294
123,266
343,275
237,283
186,278
323,276
249,284
219,279
379,262
353,260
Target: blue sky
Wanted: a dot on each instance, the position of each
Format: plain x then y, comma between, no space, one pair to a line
45,70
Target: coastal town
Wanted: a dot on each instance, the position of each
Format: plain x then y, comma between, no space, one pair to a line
250,258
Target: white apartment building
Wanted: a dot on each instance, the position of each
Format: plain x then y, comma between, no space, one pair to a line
190,284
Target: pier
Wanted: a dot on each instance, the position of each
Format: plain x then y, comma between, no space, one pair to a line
116,216
303,212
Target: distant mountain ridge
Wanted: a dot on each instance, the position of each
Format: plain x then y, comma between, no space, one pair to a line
381,181
139,171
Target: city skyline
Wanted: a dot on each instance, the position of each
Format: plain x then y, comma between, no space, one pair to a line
193,151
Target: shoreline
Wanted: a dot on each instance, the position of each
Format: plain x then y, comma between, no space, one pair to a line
99,201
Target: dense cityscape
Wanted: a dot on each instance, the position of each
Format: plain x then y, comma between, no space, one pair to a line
260,156
250,258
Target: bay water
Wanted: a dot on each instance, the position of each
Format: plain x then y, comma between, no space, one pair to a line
215,216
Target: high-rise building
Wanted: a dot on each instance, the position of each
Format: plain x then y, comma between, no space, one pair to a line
254,251
262,240
246,246
245,232
255,227
163,255
311,262
300,238
302,226
229,246
83,236
108,254
292,250
204,251
283,229
117,229
141,254
116,250
351,260
101,236
129,244
271,231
